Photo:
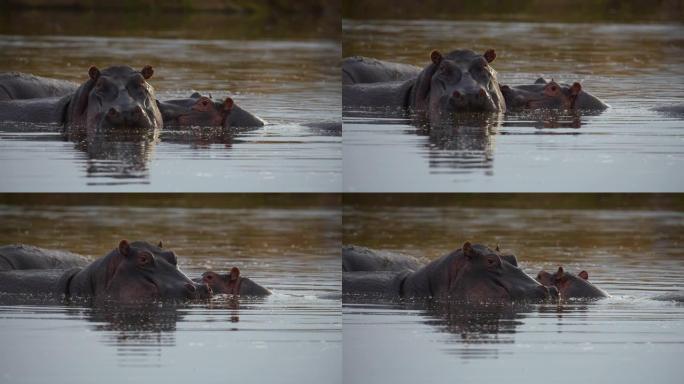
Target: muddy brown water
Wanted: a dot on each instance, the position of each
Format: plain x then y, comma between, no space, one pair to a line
627,338
292,336
632,67
289,82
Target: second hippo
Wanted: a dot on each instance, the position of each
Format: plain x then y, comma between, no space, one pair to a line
545,94
232,284
17,85
200,110
571,286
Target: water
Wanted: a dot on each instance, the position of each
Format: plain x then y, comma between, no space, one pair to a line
627,148
289,82
627,338
292,336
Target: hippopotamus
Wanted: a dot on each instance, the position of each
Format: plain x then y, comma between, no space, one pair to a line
17,85
232,284
472,273
359,69
203,111
571,286
676,109
545,94
461,80
115,98
132,272
22,256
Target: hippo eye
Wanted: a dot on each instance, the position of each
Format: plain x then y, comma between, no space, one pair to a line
209,277
554,88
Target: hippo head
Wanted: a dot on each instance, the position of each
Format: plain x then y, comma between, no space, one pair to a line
227,284
142,272
542,95
569,285
115,98
482,274
462,80
232,284
198,110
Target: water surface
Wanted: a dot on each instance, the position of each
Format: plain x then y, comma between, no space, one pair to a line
627,338
292,336
632,67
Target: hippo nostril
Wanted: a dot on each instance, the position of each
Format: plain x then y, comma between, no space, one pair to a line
112,112
456,94
482,93
190,287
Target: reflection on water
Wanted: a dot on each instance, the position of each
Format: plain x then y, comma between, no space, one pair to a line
293,252
626,148
288,83
633,254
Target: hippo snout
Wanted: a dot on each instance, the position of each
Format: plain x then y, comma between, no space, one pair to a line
476,98
198,290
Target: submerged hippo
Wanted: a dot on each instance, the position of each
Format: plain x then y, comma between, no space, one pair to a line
355,259
550,95
571,286
461,80
21,256
473,273
203,111
232,284
675,109
359,69
132,272
16,85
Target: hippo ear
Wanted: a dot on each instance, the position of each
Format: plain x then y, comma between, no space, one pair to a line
147,71
540,81
436,57
490,55
560,272
234,273
497,248
195,95
160,245
124,248
575,89
584,275
467,248
228,104
94,73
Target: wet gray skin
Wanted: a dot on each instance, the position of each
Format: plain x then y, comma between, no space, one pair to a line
17,85
135,272
355,259
571,286
48,110
232,284
550,95
473,273
198,110
359,69
461,80
117,97
358,259
22,256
